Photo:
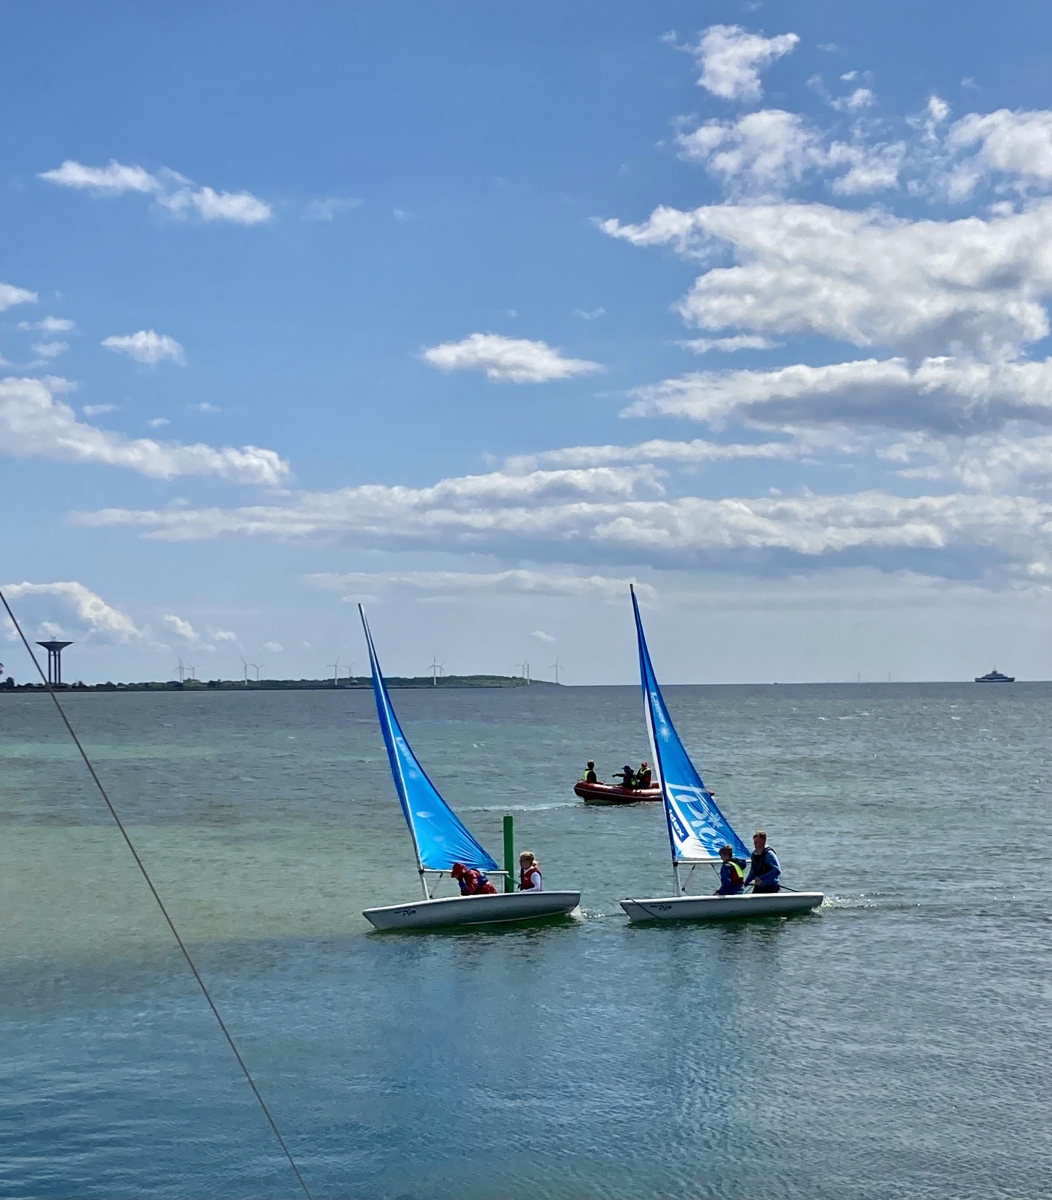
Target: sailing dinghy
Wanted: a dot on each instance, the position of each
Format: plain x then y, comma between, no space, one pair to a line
696,827
440,839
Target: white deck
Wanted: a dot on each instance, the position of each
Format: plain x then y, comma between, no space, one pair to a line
722,908
449,911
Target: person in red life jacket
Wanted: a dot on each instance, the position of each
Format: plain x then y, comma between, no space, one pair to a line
471,882
644,778
530,878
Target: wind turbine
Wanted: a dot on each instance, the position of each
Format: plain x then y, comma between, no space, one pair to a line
350,672
180,670
335,671
245,665
193,671
436,669
258,667
555,666
524,668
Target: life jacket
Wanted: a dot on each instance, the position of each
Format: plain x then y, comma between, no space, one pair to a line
644,779
525,884
737,874
473,883
590,776
760,865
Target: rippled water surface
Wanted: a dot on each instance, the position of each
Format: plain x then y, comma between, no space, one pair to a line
892,1044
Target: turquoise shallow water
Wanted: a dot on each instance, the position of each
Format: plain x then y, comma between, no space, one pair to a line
892,1044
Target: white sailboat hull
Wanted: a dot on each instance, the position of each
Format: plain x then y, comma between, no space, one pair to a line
495,909
722,908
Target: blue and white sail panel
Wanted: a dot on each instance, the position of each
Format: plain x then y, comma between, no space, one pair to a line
696,827
438,834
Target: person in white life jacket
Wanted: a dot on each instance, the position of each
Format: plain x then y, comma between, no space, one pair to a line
530,878
731,875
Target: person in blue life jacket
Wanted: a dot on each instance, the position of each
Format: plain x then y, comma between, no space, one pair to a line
764,869
731,875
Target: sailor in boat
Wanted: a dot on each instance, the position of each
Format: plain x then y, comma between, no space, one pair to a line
764,868
589,775
731,875
627,776
471,882
530,878
643,775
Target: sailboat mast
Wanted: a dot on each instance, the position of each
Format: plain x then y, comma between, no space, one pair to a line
648,710
380,690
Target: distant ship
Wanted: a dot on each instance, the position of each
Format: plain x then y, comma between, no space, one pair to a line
995,676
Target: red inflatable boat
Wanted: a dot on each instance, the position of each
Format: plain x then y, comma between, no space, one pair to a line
609,793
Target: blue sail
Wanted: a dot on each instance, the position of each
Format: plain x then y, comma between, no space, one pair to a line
438,836
696,827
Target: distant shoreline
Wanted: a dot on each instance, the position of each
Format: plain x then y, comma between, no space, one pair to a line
287,685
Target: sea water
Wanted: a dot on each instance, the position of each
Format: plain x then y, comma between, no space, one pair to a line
892,1044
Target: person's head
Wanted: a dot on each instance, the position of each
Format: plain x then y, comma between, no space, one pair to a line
759,839
643,765
726,853
457,870
527,858
590,765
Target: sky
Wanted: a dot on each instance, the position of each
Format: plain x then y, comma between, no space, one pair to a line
475,313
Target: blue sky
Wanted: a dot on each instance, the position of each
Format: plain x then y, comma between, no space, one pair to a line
477,313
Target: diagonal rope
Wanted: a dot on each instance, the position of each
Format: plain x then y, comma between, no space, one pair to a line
160,904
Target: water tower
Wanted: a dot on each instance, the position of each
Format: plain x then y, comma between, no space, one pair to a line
54,661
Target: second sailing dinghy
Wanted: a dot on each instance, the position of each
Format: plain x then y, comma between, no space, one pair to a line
440,839
696,827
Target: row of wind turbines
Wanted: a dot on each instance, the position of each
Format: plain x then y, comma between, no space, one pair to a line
187,671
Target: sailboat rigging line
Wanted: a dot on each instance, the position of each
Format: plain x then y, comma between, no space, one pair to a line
160,904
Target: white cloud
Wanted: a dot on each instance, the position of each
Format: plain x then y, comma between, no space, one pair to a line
94,410
944,395
730,59
11,295
33,423
513,360
156,422
1009,143
541,636
99,618
172,193
471,583
955,532
328,209
180,627
113,180
861,98
223,635
50,349
684,453
146,346
49,325
767,150
589,314
868,278
273,647
770,151
730,345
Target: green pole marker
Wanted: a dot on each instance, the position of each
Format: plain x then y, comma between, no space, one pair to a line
509,852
